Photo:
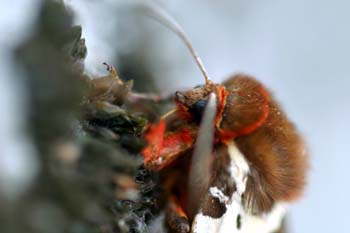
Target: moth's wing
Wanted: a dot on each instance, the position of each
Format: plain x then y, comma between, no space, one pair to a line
222,208
199,176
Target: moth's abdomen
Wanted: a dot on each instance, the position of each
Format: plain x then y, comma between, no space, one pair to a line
278,161
268,140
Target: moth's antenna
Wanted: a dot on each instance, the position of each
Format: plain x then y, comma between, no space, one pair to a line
160,15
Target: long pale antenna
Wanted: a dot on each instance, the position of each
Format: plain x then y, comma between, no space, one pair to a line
200,174
161,16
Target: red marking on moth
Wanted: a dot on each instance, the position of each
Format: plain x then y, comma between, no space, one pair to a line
154,138
227,135
163,148
177,206
182,136
222,94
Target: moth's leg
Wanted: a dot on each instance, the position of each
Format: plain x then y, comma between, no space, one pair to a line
136,97
176,218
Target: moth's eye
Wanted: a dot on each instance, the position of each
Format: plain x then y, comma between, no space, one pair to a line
197,109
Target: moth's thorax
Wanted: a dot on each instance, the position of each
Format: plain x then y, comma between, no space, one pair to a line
242,106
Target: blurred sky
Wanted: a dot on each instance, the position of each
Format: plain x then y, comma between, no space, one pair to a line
299,49
18,163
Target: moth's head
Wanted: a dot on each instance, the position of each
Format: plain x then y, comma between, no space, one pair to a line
191,103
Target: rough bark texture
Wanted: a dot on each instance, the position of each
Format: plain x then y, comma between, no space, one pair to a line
90,179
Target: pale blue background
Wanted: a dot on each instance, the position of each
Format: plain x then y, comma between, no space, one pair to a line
300,49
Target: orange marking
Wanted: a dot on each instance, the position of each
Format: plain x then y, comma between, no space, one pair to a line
226,135
222,95
154,138
177,207
163,148
182,136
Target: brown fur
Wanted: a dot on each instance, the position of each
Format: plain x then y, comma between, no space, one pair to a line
244,103
274,148
275,151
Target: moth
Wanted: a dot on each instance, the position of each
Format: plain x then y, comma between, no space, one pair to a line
229,158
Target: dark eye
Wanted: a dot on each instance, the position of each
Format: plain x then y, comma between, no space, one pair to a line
197,109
